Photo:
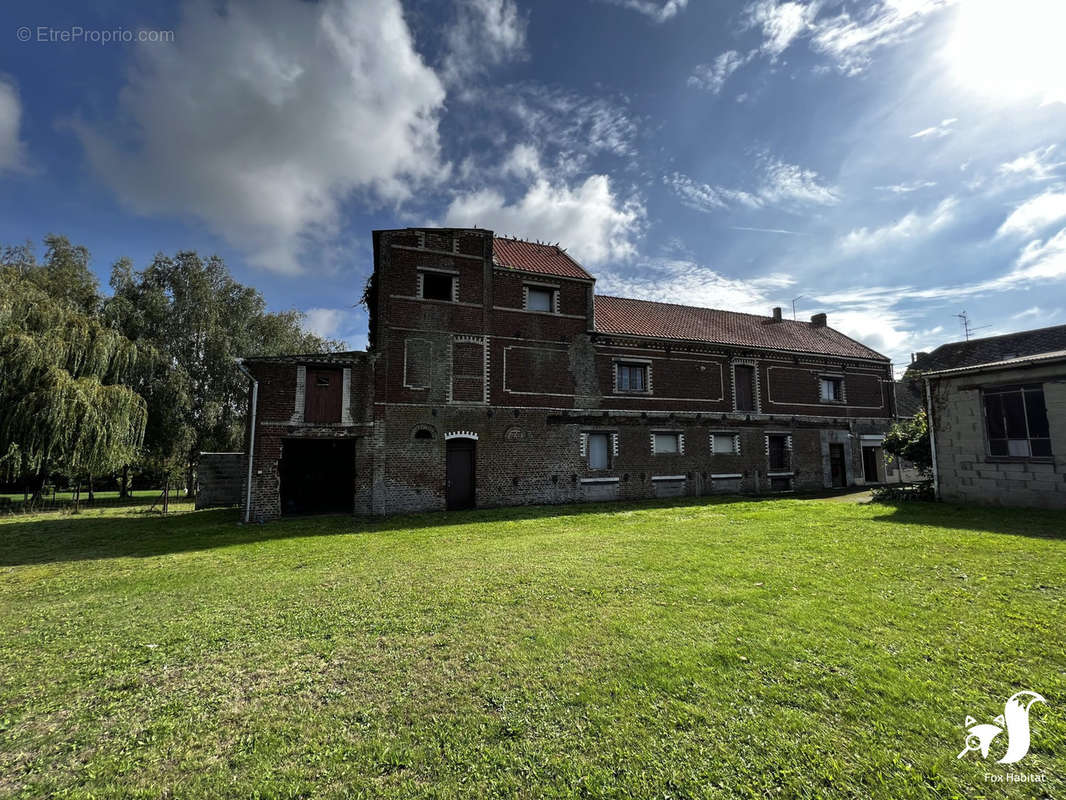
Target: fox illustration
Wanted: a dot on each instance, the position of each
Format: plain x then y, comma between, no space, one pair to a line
1015,719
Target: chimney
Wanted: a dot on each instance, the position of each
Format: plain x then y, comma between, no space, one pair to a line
777,313
818,321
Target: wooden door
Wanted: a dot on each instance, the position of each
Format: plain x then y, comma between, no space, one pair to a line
837,472
323,395
460,473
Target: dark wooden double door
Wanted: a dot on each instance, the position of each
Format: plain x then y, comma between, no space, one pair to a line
459,480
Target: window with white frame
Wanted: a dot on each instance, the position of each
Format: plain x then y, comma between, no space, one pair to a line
540,298
599,450
725,444
832,389
437,286
631,377
666,443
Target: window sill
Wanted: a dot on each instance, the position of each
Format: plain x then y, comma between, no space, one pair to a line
632,392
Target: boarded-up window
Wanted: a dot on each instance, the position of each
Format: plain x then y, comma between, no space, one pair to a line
744,377
323,395
468,370
417,363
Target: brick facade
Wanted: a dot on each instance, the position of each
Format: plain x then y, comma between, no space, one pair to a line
529,386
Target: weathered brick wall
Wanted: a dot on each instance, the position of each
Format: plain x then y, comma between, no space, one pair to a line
220,478
966,474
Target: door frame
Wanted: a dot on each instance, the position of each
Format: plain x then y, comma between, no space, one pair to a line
842,449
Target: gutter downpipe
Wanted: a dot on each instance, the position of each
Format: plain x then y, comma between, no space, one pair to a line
251,438
932,438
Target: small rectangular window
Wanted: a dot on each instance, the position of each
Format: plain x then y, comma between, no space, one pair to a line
723,444
667,443
599,451
832,390
632,377
538,299
437,286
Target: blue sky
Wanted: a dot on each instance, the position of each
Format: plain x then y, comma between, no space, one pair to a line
892,162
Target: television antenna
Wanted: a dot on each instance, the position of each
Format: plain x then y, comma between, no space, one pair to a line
967,328
794,299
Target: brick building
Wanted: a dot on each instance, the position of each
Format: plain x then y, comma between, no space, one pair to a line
495,376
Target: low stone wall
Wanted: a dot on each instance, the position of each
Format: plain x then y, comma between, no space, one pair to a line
221,480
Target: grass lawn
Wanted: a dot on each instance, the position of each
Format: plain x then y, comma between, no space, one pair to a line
782,648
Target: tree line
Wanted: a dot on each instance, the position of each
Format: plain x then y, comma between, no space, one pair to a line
138,381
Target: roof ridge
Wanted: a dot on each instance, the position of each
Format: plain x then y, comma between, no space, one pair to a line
999,336
701,308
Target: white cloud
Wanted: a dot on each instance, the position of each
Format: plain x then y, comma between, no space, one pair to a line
672,280
908,227
939,131
1040,261
1034,214
656,11
12,150
261,118
1034,165
779,183
324,322
1036,312
781,23
907,187
712,77
851,41
485,33
588,219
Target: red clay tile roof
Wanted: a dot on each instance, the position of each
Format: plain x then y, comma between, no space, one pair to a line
688,323
532,257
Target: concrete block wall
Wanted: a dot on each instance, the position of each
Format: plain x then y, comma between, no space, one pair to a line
967,474
221,479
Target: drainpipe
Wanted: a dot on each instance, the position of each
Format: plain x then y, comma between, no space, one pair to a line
932,438
251,437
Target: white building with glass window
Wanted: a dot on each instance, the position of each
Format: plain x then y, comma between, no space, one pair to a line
997,409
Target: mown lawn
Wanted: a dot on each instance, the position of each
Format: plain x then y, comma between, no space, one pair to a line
783,648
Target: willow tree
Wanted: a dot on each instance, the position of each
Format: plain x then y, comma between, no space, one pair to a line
67,387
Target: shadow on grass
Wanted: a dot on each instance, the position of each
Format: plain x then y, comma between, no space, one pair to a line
63,538
1041,523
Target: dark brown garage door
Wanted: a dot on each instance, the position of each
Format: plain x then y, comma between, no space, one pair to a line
317,476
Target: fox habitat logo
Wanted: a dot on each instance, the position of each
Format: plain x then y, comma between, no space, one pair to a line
1014,719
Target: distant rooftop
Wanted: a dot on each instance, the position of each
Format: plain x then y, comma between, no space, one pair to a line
1011,348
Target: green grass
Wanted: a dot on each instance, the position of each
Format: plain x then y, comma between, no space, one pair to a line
783,648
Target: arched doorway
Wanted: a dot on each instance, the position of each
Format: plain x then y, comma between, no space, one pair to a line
460,488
